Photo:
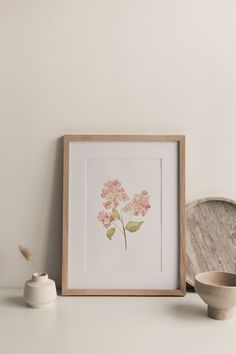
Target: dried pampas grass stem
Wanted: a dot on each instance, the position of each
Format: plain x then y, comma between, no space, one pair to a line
25,253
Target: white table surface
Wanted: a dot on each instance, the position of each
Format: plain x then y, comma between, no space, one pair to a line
110,325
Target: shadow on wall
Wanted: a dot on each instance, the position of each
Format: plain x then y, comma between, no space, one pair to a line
54,241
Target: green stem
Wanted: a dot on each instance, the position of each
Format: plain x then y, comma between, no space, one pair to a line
124,235
123,227
124,231
117,226
125,239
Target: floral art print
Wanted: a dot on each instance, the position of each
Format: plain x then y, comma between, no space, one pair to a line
122,213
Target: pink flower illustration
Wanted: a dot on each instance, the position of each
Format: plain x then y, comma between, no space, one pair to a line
105,218
113,193
115,199
107,205
138,205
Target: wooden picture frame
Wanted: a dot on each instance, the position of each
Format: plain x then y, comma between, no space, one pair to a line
78,149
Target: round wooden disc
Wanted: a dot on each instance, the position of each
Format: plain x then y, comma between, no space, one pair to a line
210,236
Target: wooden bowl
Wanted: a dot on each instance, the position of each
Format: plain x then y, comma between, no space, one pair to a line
218,291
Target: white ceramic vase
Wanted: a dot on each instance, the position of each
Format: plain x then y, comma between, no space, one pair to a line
40,291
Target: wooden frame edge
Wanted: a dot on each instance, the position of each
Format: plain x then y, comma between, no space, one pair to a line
182,258
64,284
110,137
181,291
123,292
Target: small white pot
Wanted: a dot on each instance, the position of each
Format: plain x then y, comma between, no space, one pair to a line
40,291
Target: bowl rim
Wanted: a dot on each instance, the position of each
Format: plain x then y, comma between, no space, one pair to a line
215,285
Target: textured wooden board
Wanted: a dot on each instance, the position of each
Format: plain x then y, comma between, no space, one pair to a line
210,236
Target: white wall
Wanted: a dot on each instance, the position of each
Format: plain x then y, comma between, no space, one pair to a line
107,66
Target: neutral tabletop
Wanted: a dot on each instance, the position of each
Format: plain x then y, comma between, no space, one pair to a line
110,325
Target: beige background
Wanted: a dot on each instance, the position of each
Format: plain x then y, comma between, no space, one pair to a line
107,66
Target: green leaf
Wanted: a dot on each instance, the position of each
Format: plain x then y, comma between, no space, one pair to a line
115,213
110,232
133,226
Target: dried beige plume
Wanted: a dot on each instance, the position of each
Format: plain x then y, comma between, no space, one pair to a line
25,253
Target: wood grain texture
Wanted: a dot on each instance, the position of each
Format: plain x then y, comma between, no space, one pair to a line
177,138
210,236
123,292
65,214
180,139
182,257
